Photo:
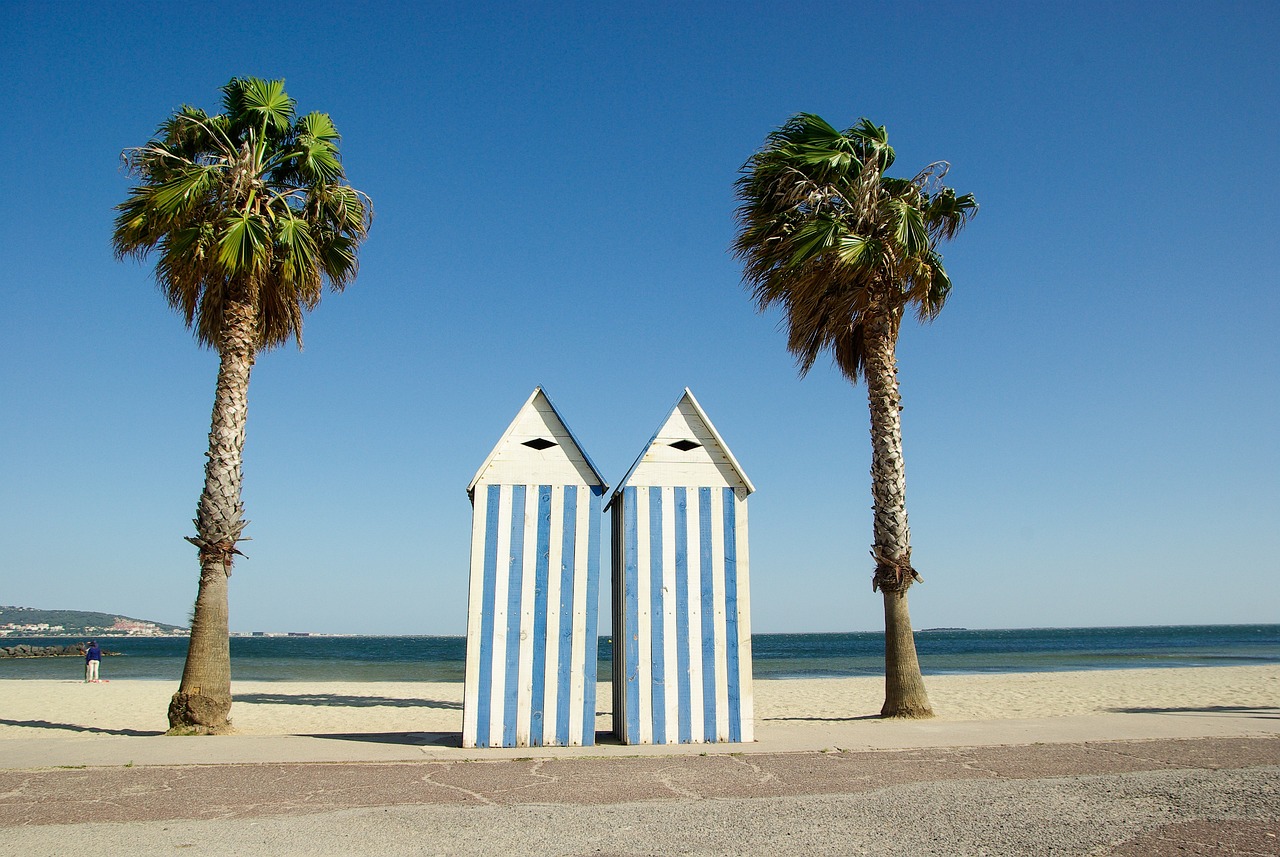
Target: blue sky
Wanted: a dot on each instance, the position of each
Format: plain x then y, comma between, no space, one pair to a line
1090,427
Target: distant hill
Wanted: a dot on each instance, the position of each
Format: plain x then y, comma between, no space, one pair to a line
25,621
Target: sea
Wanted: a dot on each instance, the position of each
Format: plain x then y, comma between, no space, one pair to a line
775,656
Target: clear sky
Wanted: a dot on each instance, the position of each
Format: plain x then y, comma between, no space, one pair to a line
1090,427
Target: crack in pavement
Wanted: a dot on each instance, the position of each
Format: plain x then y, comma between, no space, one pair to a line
664,779
535,771
430,779
762,775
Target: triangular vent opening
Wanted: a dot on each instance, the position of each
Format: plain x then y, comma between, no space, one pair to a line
685,445
539,443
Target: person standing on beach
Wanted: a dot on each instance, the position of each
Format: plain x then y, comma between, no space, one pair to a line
92,657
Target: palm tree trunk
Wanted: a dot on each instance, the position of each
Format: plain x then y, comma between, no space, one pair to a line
904,693
203,701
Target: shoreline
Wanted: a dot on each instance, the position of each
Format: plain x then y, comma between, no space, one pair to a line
928,674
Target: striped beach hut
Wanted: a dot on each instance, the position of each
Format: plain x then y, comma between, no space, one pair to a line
681,596
535,571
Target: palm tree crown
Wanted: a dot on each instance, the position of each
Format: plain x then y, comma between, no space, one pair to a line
248,206
830,238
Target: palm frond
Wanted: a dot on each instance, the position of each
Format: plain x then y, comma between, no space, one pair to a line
320,126
861,253
241,243
909,231
938,287
813,238
298,251
188,187
318,160
947,214
260,103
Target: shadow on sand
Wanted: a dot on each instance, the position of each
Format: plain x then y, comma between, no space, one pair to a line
1261,712
409,739
335,699
73,727
822,719
428,739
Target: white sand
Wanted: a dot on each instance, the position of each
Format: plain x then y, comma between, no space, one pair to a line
32,708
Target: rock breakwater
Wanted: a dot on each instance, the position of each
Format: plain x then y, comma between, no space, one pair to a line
25,651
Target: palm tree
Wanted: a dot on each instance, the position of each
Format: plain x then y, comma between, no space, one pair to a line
249,215
844,250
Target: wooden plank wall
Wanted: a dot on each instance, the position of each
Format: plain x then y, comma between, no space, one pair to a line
532,622
682,635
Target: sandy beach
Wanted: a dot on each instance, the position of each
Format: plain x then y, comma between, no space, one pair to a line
31,708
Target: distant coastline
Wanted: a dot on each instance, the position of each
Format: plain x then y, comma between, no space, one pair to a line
61,624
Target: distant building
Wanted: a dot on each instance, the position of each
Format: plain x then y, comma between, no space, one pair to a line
134,628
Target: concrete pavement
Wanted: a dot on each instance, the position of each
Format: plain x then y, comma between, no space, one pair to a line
1204,782
1206,796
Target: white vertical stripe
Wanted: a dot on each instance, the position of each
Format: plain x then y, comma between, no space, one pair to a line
695,615
581,566
551,679
498,683
475,612
744,618
718,598
671,666
643,626
528,577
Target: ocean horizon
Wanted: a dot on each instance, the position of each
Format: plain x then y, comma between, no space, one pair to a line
774,656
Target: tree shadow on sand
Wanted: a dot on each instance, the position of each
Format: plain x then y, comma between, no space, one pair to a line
75,727
343,700
1262,712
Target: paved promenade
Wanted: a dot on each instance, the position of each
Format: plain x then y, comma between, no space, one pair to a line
1212,795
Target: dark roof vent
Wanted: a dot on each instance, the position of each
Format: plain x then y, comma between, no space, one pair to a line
539,443
685,445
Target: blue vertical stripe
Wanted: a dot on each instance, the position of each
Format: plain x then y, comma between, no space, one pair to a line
484,692
515,571
657,654
682,612
708,617
564,663
537,702
592,642
731,615
632,641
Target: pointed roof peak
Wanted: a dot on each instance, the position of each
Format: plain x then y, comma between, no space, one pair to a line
698,444
539,441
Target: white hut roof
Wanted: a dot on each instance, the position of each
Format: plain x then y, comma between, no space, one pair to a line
538,448
685,450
